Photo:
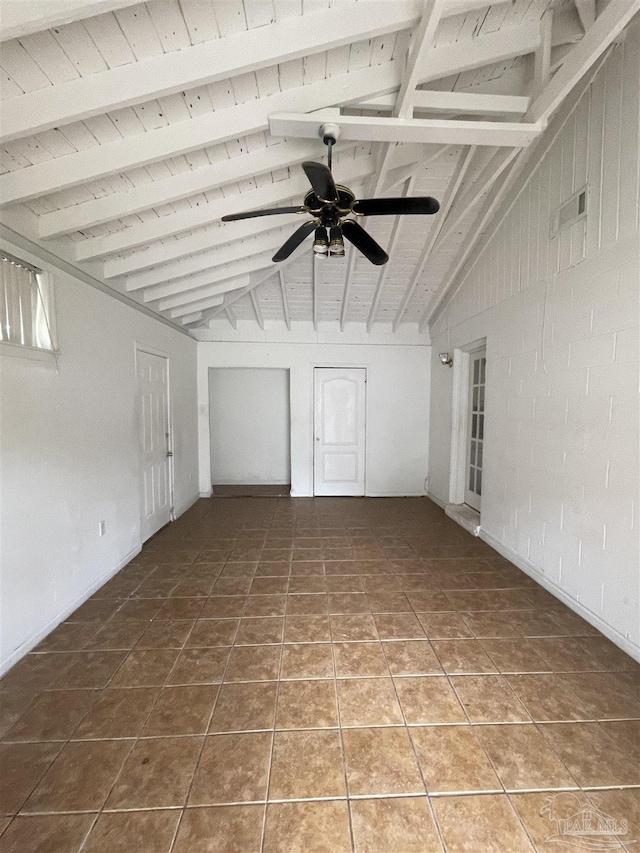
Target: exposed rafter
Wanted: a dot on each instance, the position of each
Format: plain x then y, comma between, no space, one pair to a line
256,307
199,65
19,18
231,317
285,299
467,103
464,161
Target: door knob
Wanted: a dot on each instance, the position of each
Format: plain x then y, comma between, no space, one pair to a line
169,453
317,439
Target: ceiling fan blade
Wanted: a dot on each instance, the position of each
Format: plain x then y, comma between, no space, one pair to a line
364,242
268,211
386,206
294,241
321,180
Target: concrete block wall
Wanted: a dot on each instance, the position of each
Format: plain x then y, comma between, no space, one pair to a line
560,317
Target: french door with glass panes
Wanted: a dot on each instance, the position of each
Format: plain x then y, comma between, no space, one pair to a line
475,429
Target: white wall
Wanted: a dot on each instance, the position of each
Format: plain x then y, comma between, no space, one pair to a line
397,407
560,486
69,457
249,426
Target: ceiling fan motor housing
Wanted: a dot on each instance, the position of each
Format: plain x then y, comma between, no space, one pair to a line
329,133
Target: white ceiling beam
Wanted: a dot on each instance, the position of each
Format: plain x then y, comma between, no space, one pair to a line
196,217
482,184
542,63
89,214
200,305
22,17
232,298
235,281
463,103
240,249
175,290
201,64
393,241
256,307
575,64
200,132
434,131
346,293
459,172
191,318
172,250
285,299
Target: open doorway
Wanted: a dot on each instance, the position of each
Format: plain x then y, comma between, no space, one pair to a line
250,429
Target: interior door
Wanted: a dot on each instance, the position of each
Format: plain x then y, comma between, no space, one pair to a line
155,442
475,428
339,431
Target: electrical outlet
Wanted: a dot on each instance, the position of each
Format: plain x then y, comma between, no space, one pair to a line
101,528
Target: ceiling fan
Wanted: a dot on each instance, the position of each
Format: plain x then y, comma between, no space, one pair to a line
331,205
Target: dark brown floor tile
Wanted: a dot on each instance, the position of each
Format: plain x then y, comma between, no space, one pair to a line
429,602
273,568
463,657
548,698
306,705
396,825
223,607
155,587
223,829
306,764
89,670
523,759
231,586
307,604
140,610
194,587
253,663
95,611
565,654
260,630
144,832
200,666
46,833
444,626
568,621
605,695
495,599
622,805
513,656
608,654
307,584
592,756
165,635
307,629
489,624
181,608
265,605
145,668
480,822
306,562
429,700
117,635
489,699
349,602
80,778
182,711
233,769
353,627
307,660
389,602
244,707
360,659
156,774
381,761
411,657
453,760
345,583
270,586
68,637
398,626
368,702
316,827
538,623
53,716
23,765
213,632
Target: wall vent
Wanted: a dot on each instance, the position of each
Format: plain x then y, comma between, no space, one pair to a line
569,211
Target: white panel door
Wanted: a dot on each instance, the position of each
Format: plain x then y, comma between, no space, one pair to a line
339,423
475,432
155,448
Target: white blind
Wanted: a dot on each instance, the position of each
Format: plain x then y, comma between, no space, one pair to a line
23,310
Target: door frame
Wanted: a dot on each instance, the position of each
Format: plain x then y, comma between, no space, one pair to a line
460,419
312,433
149,350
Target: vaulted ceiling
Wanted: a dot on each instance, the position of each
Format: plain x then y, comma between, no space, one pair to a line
127,130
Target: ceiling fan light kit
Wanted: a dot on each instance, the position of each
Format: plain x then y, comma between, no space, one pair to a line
331,205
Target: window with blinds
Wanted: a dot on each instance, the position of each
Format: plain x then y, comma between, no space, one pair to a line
25,315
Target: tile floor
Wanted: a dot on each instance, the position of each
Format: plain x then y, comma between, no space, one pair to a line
317,676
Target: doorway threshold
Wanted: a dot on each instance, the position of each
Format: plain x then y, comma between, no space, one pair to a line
465,516
251,491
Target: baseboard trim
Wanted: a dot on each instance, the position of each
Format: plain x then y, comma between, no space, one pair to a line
592,618
33,641
178,512
205,494
432,497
